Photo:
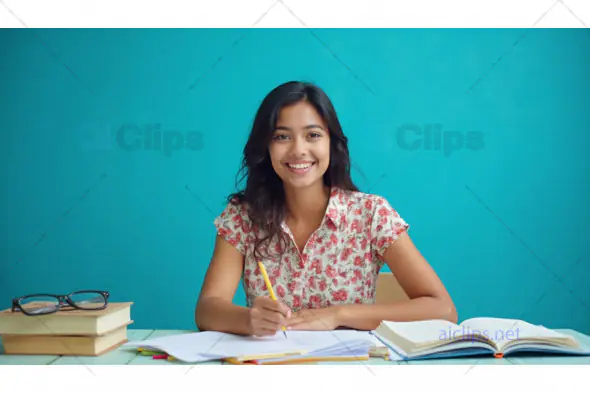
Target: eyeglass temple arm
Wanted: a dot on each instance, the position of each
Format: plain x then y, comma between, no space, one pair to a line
15,306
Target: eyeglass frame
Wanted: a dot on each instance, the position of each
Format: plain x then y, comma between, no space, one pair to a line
60,305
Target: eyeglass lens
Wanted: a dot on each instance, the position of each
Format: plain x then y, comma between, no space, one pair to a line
39,304
88,300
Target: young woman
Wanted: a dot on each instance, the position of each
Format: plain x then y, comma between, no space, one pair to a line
321,240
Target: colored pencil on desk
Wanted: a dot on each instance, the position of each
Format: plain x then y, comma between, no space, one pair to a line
150,353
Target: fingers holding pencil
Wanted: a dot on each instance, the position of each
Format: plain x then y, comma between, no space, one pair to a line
267,316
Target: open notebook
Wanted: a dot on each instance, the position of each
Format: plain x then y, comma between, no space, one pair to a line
298,346
475,336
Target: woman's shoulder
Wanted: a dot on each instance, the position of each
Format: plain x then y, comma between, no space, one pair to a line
235,207
363,200
234,224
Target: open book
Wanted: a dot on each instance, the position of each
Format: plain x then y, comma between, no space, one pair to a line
476,336
297,347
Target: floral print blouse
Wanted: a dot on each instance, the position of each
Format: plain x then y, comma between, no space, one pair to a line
339,263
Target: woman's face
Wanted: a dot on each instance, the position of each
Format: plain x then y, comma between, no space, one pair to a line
300,146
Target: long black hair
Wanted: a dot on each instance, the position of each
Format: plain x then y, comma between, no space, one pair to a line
264,196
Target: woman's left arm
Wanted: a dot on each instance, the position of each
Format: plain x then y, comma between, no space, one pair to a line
429,298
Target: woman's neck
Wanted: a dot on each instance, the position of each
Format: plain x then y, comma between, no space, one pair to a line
307,204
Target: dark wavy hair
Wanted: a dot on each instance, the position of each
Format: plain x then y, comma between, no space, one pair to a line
263,196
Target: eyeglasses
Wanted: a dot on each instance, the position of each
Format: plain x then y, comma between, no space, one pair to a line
41,303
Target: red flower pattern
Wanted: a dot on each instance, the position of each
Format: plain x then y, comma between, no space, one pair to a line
339,264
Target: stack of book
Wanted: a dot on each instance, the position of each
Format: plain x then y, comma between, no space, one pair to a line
69,333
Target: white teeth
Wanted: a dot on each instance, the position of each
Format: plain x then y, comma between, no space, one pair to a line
299,166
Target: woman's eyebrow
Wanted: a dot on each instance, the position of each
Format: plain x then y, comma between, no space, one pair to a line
308,127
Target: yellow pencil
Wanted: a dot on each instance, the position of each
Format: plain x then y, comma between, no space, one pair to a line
270,290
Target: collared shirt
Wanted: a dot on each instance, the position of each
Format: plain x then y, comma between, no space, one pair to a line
340,261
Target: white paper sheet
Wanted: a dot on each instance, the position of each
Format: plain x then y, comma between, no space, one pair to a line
203,346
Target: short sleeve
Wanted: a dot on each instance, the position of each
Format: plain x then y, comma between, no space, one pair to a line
233,224
386,227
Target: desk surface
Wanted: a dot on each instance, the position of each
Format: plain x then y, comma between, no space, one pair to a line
124,356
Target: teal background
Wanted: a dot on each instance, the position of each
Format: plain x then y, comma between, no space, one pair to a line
503,217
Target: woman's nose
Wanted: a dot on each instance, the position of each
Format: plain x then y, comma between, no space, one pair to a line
299,146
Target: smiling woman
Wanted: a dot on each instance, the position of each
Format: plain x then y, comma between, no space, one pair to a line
322,241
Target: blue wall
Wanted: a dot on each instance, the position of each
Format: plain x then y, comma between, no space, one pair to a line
479,138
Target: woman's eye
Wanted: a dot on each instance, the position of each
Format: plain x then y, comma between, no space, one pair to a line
279,137
315,135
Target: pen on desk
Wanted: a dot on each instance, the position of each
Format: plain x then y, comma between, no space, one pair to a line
270,290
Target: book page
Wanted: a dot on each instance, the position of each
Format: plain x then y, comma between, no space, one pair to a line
421,332
503,330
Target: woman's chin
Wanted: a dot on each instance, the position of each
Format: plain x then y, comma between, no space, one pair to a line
302,183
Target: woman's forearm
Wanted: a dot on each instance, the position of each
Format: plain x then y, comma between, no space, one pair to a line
369,316
222,316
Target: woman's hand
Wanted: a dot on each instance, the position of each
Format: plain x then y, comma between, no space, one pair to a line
267,316
318,319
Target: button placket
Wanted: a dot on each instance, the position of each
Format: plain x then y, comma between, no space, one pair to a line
295,265
300,285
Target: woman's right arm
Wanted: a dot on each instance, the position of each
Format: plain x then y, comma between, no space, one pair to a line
215,309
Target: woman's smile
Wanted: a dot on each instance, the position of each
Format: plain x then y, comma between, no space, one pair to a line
299,167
